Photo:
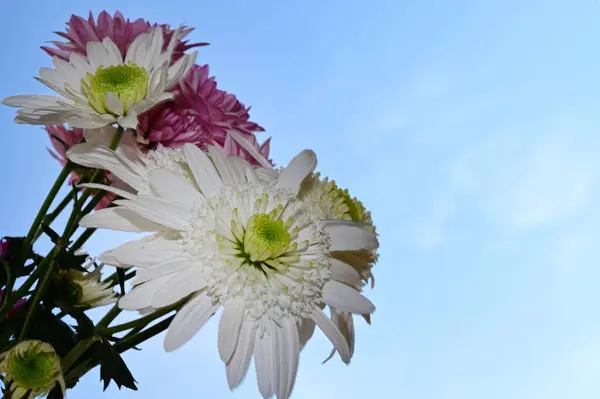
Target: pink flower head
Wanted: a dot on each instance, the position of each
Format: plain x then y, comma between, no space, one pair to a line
201,114
120,30
62,139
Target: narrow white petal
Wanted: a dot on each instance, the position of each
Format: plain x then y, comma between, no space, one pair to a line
333,333
129,121
120,219
224,167
141,296
350,236
306,330
97,55
30,101
178,287
110,189
113,52
159,211
264,363
192,316
344,273
346,298
170,186
203,170
287,351
229,328
145,252
179,69
299,167
161,269
238,366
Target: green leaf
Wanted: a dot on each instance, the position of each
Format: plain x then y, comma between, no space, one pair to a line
113,368
121,279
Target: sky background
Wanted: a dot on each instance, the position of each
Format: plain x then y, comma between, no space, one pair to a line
468,128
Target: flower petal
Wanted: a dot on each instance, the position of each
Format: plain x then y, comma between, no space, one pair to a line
349,236
287,352
162,269
344,273
172,187
240,361
178,287
264,363
141,296
120,219
306,330
346,298
333,333
145,252
192,316
229,328
299,167
159,211
203,170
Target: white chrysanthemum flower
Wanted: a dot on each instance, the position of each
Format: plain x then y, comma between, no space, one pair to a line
104,88
334,203
31,368
83,289
233,241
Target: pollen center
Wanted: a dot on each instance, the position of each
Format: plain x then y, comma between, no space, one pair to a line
265,237
129,82
32,369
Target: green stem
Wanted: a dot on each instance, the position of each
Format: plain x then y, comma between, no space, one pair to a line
41,289
134,340
109,317
75,353
66,171
87,233
49,218
6,302
141,322
113,279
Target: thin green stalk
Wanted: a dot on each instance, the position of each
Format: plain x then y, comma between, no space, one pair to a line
66,171
49,218
78,350
87,233
6,302
109,317
114,280
141,322
134,340
41,289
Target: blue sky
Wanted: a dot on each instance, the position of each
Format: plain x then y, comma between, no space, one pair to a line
468,128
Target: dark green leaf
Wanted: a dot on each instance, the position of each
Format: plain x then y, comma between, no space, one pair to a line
121,278
54,236
113,368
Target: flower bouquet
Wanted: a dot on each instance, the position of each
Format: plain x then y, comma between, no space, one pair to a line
149,144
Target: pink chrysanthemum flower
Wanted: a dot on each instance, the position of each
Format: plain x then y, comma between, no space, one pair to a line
62,139
120,30
201,114
16,307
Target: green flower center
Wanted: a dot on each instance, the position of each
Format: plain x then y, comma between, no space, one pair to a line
265,237
356,209
32,369
129,82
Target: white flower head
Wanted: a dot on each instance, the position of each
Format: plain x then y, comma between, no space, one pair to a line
31,368
103,88
231,240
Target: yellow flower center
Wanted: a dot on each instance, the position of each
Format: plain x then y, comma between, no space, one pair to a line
265,238
129,82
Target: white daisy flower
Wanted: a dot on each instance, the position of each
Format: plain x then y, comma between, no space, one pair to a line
104,88
233,241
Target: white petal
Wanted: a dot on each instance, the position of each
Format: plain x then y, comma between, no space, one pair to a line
172,187
238,366
110,189
349,236
229,328
264,363
113,104
178,287
129,121
344,273
287,352
145,252
97,55
141,296
203,170
180,68
333,333
113,52
30,101
118,218
159,211
192,316
299,167
346,298
162,269
306,330
223,166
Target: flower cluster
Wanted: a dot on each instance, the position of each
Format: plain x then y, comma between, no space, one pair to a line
138,123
